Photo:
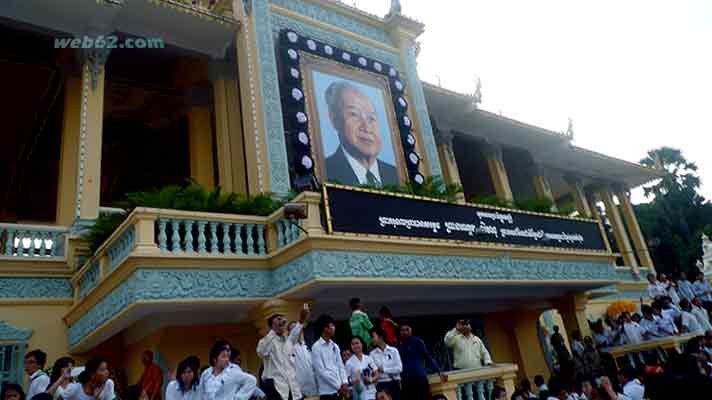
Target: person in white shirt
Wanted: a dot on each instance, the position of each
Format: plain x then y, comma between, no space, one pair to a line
34,365
688,319
389,363
655,288
649,324
665,323
362,372
303,365
277,352
185,387
670,289
702,288
633,331
326,360
57,385
684,288
702,315
222,382
94,383
632,388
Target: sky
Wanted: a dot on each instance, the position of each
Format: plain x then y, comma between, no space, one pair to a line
632,74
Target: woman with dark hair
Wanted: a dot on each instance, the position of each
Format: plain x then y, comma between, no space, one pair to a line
12,391
63,366
388,326
361,371
185,387
94,383
220,382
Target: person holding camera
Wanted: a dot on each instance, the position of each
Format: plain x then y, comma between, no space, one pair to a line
276,350
362,372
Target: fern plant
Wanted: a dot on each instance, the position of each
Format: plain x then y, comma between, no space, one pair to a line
192,197
433,187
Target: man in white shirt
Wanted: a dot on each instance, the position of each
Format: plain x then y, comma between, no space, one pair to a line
389,364
702,315
684,287
38,381
702,289
649,324
276,350
326,360
688,319
632,388
303,365
655,288
665,324
633,331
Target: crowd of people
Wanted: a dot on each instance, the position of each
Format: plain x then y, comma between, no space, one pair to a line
386,361
381,362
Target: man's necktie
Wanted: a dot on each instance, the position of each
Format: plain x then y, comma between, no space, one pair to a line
371,179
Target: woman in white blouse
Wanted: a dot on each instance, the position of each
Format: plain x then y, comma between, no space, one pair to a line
57,385
185,387
362,372
220,382
94,383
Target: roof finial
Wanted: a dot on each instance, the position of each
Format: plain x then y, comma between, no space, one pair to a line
395,8
477,97
570,129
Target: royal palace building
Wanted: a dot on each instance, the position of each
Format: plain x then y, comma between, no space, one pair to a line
311,101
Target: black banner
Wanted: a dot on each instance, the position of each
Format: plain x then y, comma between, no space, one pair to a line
358,211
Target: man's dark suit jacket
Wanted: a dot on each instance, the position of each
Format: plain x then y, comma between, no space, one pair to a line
339,169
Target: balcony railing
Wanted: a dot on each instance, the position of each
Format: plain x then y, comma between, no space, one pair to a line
674,343
32,241
480,380
219,8
149,232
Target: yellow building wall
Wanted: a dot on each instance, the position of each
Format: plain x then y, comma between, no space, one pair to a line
49,333
176,343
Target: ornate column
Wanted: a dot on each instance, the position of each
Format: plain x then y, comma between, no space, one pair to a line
200,140
541,184
451,174
579,196
573,312
641,248
614,217
91,117
597,216
69,152
498,173
526,337
232,175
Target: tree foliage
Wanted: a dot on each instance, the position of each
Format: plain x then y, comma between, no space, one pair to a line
677,215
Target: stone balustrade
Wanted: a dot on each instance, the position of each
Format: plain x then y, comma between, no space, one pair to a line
20,240
674,343
480,381
163,233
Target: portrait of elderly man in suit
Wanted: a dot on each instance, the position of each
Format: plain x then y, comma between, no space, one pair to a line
355,121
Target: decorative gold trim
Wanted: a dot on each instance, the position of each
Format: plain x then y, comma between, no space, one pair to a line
310,63
472,205
35,302
195,10
329,227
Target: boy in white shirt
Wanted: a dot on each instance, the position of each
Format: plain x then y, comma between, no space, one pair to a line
38,381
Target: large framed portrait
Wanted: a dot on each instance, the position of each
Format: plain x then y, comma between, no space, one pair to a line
345,116
354,133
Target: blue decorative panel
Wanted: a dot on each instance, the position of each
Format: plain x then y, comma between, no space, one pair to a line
272,109
9,333
168,284
35,288
332,17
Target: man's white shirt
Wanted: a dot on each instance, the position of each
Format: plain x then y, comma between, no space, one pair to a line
328,367
38,383
632,390
389,360
277,354
360,170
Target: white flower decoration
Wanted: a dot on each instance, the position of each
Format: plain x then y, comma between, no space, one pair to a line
311,44
292,37
307,162
301,117
413,158
377,66
328,50
294,72
292,54
406,121
362,61
297,94
399,85
402,102
303,138
346,56
392,72
419,179
411,140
